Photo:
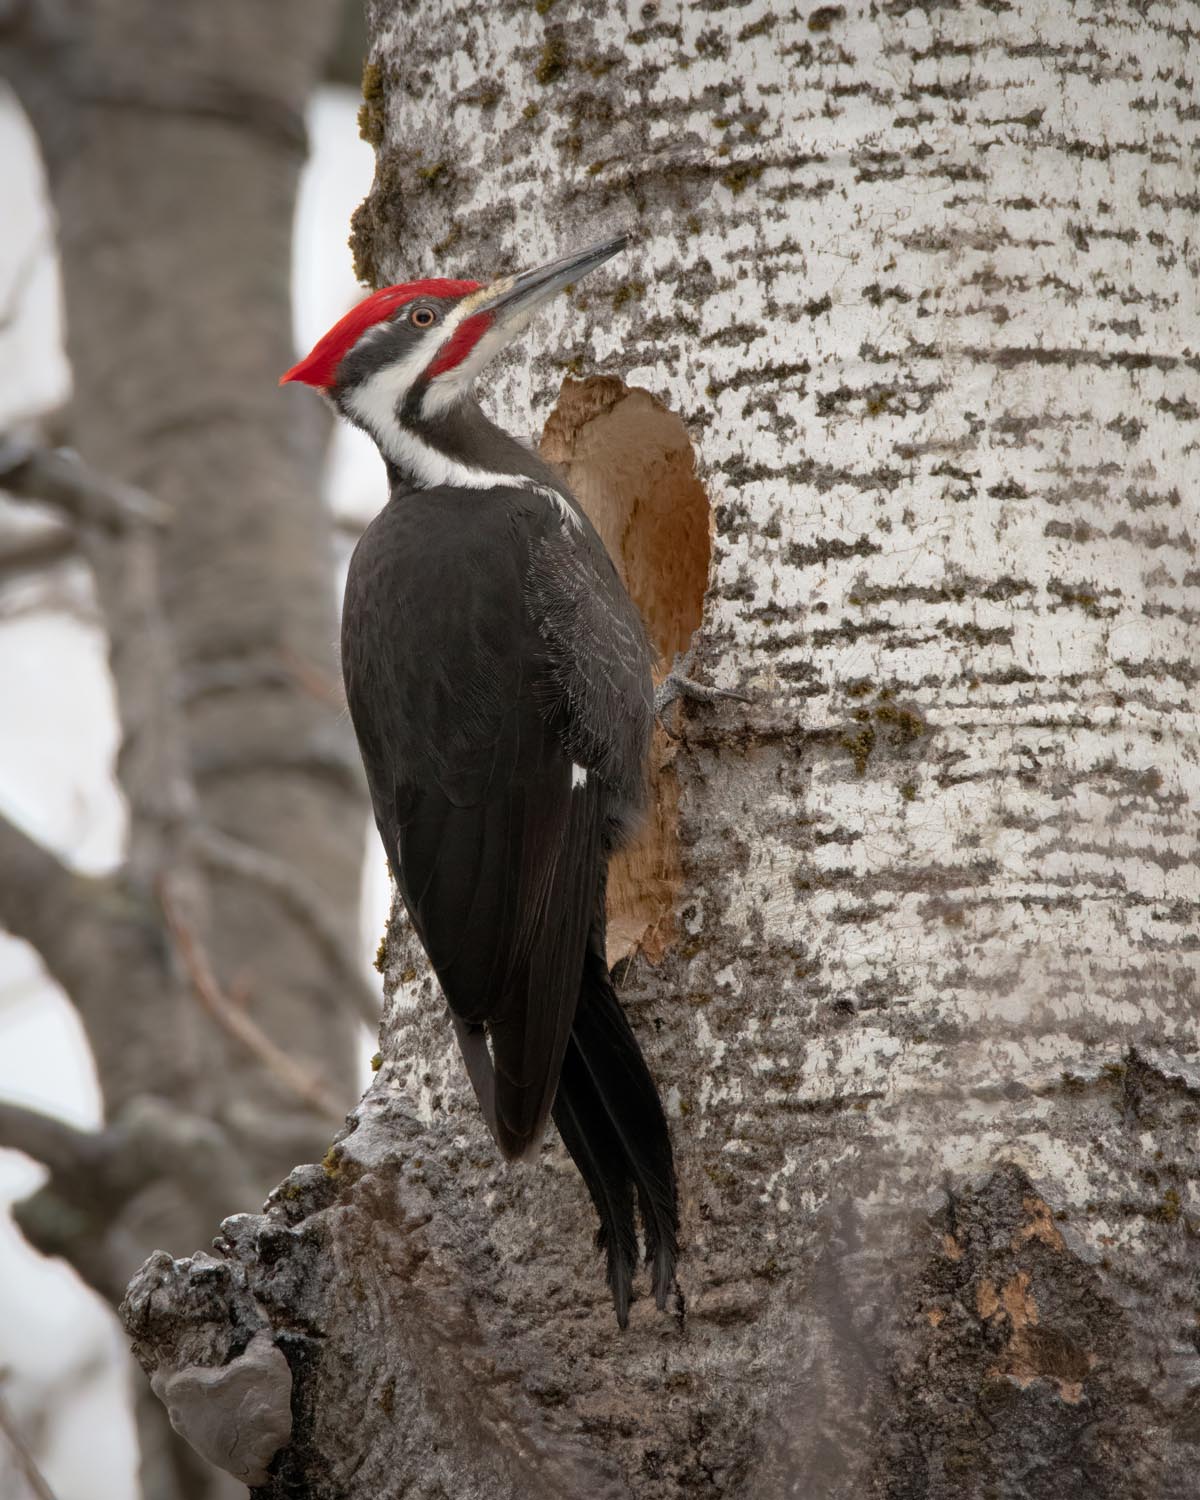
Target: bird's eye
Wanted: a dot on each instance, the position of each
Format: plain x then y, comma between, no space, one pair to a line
422,317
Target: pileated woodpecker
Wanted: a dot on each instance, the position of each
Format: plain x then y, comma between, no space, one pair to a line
498,679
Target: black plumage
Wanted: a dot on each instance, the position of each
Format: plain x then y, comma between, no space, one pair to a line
498,680
491,657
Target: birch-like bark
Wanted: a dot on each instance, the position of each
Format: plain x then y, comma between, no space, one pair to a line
921,285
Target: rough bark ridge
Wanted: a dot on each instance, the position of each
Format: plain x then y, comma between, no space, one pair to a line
919,282
213,972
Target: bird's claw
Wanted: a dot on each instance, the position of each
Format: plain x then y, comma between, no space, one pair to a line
677,685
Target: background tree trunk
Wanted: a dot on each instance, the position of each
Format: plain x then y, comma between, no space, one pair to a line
919,284
174,135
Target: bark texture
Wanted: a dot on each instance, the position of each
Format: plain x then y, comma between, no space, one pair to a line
921,284
212,971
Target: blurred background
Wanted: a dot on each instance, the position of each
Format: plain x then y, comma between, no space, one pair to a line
64,1370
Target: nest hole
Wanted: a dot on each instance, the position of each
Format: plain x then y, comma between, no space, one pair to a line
631,465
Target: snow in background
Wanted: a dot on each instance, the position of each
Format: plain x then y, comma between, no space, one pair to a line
61,1353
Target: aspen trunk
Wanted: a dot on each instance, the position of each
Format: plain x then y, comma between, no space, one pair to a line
912,938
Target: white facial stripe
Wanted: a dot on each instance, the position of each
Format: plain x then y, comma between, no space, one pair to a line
374,404
445,389
453,318
402,375
578,777
380,396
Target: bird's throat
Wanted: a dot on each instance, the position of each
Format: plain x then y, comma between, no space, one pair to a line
460,448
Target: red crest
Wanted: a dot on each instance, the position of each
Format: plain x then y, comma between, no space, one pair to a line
319,366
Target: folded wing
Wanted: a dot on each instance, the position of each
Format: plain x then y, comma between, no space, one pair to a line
492,830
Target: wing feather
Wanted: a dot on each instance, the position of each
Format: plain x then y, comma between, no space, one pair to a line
596,687
495,849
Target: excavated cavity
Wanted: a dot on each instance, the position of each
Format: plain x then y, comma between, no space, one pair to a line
630,462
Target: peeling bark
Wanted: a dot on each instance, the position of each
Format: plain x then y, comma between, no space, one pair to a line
918,282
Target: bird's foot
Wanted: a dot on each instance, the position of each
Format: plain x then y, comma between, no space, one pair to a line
677,686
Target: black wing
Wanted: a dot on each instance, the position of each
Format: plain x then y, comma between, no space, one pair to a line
492,830
596,690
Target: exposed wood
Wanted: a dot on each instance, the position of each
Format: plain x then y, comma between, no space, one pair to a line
631,464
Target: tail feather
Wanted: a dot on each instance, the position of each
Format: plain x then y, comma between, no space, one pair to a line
611,1120
595,1149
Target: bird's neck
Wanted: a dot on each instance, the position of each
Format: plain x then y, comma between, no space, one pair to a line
458,447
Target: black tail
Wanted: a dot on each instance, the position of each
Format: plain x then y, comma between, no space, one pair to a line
611,1120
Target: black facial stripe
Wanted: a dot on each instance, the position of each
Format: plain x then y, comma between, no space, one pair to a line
389,342
410,412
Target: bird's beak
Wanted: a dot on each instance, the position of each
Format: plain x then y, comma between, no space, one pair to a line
513,300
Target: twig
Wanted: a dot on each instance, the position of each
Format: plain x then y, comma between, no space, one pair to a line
59,591
283,668
57,477
41,897
54,1143
222,852
236,1023
36,550
316,683
25,1459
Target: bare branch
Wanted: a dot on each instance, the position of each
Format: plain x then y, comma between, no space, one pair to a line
281,668
221,852
350,528
63,591
315,682
61,1147
152,765
36,550
25,1459
114,520
153,1138
56,477
235,1022
39,894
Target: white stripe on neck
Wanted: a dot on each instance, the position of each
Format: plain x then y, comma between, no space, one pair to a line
448,387
375,402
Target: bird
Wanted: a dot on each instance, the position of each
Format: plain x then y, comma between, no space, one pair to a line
498,678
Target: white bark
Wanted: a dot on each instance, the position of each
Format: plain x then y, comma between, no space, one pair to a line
922,285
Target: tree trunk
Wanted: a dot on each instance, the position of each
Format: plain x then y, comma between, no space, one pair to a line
174,136
175,214
918,967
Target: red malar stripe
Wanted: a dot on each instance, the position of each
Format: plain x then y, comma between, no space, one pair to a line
319,366
460,343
